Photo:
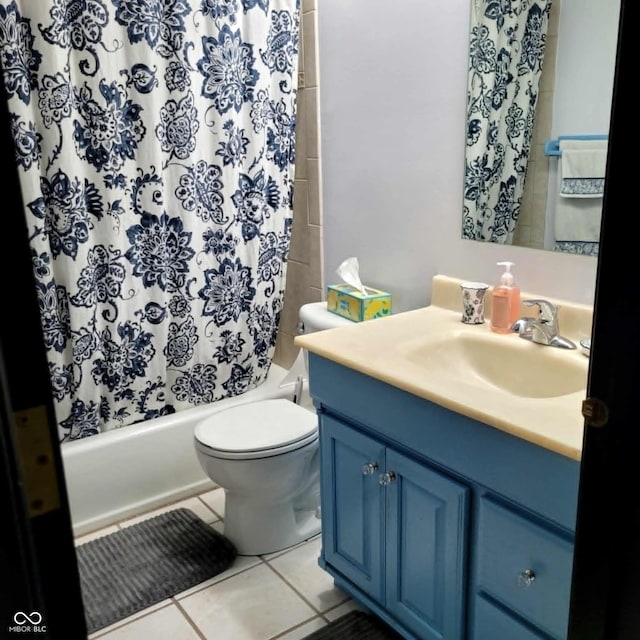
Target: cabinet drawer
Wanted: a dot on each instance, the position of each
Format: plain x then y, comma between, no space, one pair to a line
491,623
509,546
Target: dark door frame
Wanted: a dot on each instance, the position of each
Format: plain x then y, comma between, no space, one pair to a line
605,598
40,594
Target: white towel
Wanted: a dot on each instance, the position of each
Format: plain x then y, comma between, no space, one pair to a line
583,164
577,218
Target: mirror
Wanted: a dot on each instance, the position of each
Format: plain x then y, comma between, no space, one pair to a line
540,78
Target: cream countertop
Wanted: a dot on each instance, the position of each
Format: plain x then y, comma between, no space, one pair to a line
379,348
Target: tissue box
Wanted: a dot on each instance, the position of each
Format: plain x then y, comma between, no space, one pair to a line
349,302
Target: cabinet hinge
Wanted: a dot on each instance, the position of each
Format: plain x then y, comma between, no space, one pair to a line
595,412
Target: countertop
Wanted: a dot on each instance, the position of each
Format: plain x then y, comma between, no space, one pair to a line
378,349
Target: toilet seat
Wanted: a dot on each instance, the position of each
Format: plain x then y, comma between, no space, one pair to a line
256,430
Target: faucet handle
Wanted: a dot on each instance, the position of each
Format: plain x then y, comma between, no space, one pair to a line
548,310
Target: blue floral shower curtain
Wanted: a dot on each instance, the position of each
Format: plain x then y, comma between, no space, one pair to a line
505,62
155,142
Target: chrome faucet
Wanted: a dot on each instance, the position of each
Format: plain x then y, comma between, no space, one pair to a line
544,329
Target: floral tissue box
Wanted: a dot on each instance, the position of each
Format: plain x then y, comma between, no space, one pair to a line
349,302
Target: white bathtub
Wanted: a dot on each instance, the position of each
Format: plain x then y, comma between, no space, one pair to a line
124,472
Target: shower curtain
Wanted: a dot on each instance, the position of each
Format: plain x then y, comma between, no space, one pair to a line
155,143
506,52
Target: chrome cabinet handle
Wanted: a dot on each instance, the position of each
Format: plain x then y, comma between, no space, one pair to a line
526,578
387,478
369,469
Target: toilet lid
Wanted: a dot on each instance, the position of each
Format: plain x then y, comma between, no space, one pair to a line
258,427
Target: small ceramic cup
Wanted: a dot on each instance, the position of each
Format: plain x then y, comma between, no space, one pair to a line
473,302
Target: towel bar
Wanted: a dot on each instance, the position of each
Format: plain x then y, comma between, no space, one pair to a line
552,147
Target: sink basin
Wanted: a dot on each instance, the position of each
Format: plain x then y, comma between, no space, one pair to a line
509,363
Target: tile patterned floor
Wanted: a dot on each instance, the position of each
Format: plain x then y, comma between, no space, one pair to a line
283,596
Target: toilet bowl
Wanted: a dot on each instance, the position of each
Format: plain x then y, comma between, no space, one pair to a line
265,456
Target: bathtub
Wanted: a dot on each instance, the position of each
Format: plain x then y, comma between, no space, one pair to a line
124,472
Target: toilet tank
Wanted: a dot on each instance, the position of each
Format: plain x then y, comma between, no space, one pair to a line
314,316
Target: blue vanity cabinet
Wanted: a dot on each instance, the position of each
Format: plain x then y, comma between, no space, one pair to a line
446,527
396,529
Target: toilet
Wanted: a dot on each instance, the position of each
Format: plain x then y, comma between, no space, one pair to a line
265,456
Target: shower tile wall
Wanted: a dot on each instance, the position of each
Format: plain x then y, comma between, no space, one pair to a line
531,224
304,275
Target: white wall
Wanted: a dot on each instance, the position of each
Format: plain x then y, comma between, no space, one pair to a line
393,87
587,38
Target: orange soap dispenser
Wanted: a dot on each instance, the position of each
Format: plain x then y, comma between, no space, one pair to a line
505,301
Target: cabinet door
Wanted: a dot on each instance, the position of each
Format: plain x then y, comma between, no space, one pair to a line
352,520
427,521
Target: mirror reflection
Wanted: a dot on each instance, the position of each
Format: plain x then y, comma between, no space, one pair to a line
539,98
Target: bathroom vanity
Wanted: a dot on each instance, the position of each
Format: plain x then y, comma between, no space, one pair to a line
448,483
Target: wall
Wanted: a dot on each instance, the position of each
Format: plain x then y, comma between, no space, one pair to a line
587,38
304,268
393,134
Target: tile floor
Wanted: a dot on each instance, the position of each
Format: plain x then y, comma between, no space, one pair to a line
284,595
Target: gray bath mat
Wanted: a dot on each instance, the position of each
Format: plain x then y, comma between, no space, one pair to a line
129,570
355,625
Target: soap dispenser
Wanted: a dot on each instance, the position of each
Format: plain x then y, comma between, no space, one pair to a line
505,301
